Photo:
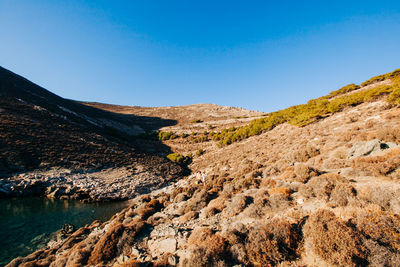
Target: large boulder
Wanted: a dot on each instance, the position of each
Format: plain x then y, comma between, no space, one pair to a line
369,148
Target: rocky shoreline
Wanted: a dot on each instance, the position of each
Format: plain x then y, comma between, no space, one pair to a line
103,185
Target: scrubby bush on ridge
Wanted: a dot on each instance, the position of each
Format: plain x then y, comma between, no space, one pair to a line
315,109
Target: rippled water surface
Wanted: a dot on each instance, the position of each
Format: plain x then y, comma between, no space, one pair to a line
26,224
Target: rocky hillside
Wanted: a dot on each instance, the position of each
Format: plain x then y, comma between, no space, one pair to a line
191,118
40,131
312,185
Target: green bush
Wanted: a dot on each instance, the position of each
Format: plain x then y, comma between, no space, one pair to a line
180,159
176,157
315,109
344,90
199,152
196,121
382,77
201,139
166,136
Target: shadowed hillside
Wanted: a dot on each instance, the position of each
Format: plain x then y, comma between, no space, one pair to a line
39,129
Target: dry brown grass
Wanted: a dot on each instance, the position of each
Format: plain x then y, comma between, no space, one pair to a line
237,205
382,227
383,165
208,249
199,200
280,191
334,241
389,134
304,173
341,194
272,242
303,153
119,238
323,185
106,247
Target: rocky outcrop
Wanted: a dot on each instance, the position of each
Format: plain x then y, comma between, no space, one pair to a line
112,184
369,148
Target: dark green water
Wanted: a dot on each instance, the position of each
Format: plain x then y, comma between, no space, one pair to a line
26,224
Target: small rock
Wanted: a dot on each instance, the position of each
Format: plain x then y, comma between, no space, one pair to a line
172,260
159,247
135,252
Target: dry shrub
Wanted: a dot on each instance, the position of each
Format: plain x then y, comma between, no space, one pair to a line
333,240
180,197
267,182
218,203
303,172
288,175
380,255
384,165
334,163
130,263
247,182
323,185
347,136
272,242
150,208
187,191
191,215
389,134
228,189
280,191
261,197
341,194
106,247
270,171
381,196
119,238
199,200
303,153
382,227
369,124
209,212
278,202
238,204
207,249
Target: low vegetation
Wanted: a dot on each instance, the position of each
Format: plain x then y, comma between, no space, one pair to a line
302,115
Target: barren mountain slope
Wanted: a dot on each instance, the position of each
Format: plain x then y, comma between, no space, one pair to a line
325,194
40,131
191,118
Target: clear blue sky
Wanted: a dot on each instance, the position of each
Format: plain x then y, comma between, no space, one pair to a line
262,55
